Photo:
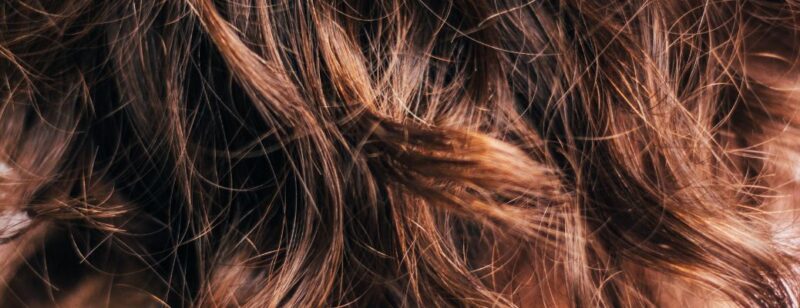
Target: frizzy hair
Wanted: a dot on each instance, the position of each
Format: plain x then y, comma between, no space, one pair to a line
480,153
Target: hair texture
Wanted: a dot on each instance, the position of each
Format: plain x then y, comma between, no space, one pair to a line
468,153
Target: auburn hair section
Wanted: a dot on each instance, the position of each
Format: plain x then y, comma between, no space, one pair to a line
399,153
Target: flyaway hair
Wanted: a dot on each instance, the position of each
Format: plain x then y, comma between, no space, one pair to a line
399,153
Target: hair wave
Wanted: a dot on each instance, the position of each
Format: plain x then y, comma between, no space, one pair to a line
399,153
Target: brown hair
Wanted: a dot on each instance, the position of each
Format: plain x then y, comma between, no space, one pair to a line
399,153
